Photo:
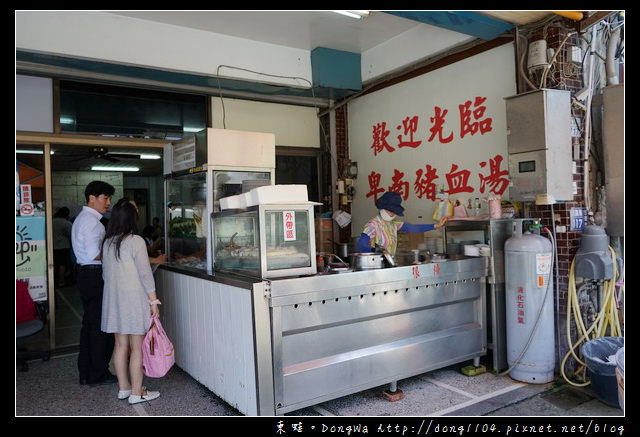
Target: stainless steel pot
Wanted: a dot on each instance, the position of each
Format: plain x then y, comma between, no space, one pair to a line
342,250
438,257
366,261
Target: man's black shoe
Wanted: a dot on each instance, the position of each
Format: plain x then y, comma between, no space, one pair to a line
109,379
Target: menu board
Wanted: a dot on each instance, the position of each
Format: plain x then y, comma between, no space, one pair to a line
189,152
184,154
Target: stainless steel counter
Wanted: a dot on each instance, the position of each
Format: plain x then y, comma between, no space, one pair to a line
308,339
338,334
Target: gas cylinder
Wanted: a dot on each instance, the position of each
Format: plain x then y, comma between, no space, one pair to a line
529,307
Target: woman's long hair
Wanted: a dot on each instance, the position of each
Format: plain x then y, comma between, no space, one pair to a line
122,223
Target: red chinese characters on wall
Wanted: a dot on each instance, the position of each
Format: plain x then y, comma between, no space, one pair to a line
497,181
472,120
456,181
437,125
472,117
380,134
424,185
409,127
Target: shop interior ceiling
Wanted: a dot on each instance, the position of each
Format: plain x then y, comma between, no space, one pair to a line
304,30
296,29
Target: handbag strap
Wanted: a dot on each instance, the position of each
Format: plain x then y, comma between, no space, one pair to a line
152,339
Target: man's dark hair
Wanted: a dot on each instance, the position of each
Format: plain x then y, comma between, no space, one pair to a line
62,212
97,188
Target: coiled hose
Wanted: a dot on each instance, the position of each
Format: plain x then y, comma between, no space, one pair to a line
607,321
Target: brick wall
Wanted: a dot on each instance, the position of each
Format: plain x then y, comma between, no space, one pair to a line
566,75
342,157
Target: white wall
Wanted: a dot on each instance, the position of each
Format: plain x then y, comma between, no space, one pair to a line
113,38
489,75
396,53
295,126
34,104
116,38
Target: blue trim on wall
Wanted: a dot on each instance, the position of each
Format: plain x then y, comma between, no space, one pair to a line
469,23
175,78
336,69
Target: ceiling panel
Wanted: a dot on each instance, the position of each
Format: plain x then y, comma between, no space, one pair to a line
304,30
310,29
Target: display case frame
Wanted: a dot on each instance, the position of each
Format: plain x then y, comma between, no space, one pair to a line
264,262
186,246
211,191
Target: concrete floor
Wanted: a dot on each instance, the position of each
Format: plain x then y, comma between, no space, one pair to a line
50,389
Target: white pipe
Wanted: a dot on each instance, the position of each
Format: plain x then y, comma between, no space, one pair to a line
587,121
610,66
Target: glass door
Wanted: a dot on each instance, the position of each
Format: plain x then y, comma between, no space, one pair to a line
32,254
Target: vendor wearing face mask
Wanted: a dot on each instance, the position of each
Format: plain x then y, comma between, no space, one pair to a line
382,230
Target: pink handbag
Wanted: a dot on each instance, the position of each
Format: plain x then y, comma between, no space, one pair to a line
157,351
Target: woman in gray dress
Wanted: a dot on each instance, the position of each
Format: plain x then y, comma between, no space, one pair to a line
129,299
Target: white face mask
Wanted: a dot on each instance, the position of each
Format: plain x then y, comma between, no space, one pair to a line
386,216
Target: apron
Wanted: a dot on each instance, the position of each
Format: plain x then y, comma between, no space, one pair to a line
383,233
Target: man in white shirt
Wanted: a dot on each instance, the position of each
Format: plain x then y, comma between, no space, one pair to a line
87,232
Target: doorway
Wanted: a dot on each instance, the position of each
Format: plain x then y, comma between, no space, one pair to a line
52,165
302,166
31,250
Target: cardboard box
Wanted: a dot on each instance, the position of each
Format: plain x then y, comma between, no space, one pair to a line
324,235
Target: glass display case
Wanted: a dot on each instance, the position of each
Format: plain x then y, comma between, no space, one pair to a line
186,229
265,241
190,201
231,182
204,168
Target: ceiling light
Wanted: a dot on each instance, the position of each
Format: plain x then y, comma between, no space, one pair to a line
191,129
354,14
106,168
33,152
137,155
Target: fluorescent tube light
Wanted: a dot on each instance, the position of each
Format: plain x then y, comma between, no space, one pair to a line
103,168
354,14
191,129
33,152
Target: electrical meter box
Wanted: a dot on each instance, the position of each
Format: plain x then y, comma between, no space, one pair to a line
539,145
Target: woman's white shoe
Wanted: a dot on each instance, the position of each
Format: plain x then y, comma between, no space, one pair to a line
149,396
124,394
